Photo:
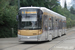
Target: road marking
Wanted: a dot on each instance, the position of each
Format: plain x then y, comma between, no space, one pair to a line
65,47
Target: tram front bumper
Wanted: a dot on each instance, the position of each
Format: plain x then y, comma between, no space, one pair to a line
27,38
22,40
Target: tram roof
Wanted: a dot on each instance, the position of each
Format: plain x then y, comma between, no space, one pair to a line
47,10
30,7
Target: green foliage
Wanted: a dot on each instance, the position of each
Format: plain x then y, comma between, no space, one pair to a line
72,10
25,3
70,17
39,3
7,19
13,2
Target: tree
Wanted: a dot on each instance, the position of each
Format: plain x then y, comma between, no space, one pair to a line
7,18
65,5
25,3
39,3
53,3
72,10
69,16
13,2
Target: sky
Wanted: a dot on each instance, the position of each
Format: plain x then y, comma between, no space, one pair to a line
69,3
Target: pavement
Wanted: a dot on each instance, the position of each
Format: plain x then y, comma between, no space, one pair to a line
66,42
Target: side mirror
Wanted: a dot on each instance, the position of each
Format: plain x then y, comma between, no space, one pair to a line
17,18
41,12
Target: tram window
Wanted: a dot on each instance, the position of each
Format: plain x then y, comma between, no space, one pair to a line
64,24
56,19
45,22
52,23
60,24
57,24
40,18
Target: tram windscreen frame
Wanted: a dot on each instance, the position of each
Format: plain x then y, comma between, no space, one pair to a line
30,19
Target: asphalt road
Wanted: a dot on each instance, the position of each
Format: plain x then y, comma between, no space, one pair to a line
65,42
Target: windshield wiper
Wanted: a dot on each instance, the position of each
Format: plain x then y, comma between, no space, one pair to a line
27,17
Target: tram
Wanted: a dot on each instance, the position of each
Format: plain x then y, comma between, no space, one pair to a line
39,24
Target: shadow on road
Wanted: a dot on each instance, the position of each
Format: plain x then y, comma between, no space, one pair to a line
34,42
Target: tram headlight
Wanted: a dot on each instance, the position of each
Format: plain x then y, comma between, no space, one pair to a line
39,32
19,32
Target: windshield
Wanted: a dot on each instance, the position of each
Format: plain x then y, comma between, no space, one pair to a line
30,25
30,19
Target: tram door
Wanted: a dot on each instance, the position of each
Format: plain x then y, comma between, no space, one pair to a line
57,31
55,27
50,26
45,22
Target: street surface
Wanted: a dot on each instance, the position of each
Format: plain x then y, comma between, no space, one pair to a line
65,42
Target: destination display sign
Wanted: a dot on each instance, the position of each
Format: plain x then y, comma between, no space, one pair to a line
29,12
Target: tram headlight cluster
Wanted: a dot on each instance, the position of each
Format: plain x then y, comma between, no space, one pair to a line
39,32
19,32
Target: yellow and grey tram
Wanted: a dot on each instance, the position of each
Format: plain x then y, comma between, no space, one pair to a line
39,24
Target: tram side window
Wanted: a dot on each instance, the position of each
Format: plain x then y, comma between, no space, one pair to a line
60,24
40,18
63,24
54,23
50,23
45,22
